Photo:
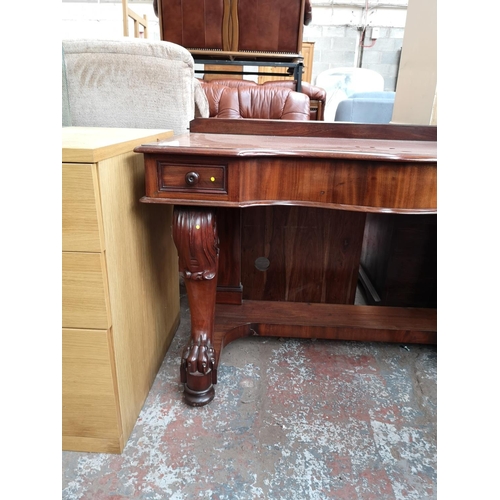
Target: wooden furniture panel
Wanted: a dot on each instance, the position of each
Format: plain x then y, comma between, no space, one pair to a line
282,73
308,54
219,69
232,34
143,280
233,26
94,144
81,230
288,239
356,180
120,301
306,129
84,291
89,393
229,287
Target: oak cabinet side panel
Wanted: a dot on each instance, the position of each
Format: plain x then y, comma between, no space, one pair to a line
143,280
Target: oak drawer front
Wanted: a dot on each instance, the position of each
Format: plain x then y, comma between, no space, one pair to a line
89,403
84,291
80,209
195,178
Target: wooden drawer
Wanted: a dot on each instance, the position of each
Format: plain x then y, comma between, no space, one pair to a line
90,420
84,291
195,178
81,229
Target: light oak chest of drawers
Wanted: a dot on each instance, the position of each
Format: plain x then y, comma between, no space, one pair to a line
120,286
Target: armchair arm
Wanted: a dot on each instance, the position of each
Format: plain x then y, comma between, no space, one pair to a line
201,106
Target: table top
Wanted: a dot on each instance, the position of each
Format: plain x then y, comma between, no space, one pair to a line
348,173
290,146
93,144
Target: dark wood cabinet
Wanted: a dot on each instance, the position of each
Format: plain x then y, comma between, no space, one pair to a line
226,27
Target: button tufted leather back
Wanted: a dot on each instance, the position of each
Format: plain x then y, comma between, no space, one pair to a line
257,102
317,95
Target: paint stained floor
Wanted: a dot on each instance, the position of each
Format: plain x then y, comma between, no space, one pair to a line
291,420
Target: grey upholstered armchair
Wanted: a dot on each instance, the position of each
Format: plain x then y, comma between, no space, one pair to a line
134,83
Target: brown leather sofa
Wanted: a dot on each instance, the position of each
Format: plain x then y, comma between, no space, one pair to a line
317,95
243,101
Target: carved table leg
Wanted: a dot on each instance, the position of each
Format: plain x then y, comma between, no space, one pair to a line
195,236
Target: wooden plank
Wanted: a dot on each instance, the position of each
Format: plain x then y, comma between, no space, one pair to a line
325,321
330,315
314,129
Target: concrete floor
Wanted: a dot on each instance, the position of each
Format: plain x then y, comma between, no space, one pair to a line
358,423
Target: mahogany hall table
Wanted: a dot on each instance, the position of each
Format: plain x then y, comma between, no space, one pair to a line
268,222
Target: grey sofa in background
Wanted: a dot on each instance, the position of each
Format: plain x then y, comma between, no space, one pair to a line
366,107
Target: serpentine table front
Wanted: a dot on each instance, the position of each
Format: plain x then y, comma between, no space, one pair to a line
268,222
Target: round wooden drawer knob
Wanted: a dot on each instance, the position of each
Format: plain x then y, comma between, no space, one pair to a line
192,178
